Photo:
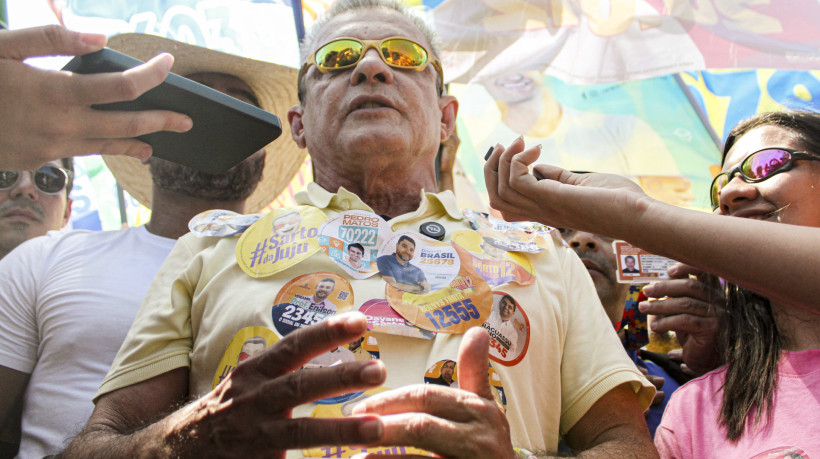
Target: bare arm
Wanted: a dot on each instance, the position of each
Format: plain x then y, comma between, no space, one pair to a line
12,387
47,115
775,260
248,414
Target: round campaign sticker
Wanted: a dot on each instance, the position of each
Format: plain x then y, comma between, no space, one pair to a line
512,236
417,264
445,373
363,349
310,298
345,409
509,330
245,344
352,240
221,223
279,240
465,302
495,264
381,318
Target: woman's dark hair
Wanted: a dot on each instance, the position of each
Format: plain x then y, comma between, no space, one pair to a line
750,342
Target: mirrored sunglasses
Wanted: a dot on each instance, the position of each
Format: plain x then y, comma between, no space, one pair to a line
48,179
346,52
758,167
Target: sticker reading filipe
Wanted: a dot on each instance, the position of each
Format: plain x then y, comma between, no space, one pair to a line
279,240
382,318
509,330
245,344
309,299
417,264
221,223
352,240
465,302
496,265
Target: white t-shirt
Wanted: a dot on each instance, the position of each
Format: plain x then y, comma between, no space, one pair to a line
67,301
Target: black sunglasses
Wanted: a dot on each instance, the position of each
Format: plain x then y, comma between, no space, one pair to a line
48,179
758,167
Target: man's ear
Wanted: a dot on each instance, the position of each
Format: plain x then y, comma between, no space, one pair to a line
67,213
449,111
297,130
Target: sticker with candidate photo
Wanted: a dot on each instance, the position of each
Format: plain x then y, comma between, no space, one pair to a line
352,240
381,318
279,240
445,373
637,266
417,264
495,264
512,236
221,223
509,330
245,344
345,409
309,299
465,302
363,349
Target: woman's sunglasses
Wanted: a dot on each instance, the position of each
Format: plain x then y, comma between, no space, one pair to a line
758,167
398,52
48,179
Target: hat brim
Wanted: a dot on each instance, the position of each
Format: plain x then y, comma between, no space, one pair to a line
273,85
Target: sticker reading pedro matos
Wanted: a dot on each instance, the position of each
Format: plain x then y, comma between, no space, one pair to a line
352,239
245,344
279,240
445,373
345,409
509,330
465,302
495,264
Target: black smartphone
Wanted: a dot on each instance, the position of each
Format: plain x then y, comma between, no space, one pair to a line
226,130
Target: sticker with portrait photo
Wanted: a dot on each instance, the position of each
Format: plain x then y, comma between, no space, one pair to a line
417,264
637,266
221,223
309,299
279,240
245,344
466,302
352,239
526,237
495,264
445,373
509,330
381,318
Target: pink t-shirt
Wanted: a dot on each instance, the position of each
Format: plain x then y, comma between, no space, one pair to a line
690,429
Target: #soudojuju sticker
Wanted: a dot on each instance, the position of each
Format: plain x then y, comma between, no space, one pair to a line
310,298
445,373
496,265
417,264
513,236
345,409
463,303
245,344
382,318
509,330
221,223
279,240
352,240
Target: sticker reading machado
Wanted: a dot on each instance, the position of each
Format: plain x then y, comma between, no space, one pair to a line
280,240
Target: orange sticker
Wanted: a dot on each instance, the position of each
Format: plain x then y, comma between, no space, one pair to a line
509,330
310,298
445,373
495,264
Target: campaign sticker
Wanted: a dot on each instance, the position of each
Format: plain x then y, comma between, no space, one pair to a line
465,302
343,410
417,264
279,240
221,223
637,266
445,373
494,264
363,349
309,299
245,344
509,330
352,240
381,318
512,236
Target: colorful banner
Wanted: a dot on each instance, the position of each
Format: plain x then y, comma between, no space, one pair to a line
596,41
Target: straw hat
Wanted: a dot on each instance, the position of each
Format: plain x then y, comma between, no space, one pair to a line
273,85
